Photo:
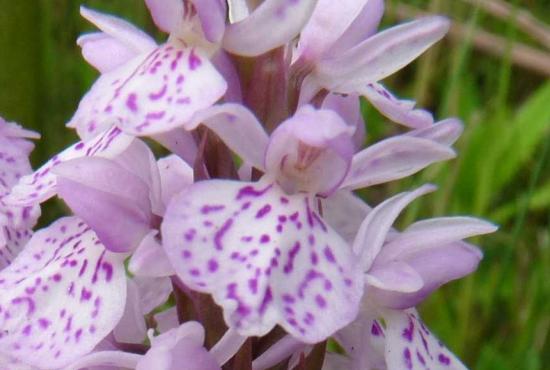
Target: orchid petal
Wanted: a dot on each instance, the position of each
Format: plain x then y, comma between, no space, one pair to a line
256,250
12,242
328,22
182,345
239,129
167,14
399,111
60,296
8,362
212,15
344,211
131,328
395,276
113,201
153,292
373,230
238,10
363,26
349,108
175,175
153,93
14,163
272,24
444,132
106,360
17,133
278,352
121,30
41,185
149,259
381,55
410,345
311,151
436,266
225,66
180,142
432,233
393,159
104,52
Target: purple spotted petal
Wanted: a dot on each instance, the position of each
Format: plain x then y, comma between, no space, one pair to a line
14,163
126,33
41,185
393,159
153,93
311,151
8,362
399,111
266,257
272,24
104,52
374,229
12,241
61,295
329,21
445,132
380,55
411,346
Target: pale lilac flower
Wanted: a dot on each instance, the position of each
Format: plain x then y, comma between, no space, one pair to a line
61,295
339,50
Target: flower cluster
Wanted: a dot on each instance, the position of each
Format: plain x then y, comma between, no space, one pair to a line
239,242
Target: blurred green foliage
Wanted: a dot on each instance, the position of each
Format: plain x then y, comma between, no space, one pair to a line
497,319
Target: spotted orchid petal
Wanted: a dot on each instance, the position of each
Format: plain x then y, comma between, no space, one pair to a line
14,162
380,55
153,93
8,362
60,296
363,26
411,346
393,159
12,242
328,22
311,151
266,257
399,111
272,24
126,33
104,52
374,228
445,132
41,185
167,14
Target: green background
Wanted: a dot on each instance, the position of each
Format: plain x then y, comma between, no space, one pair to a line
497,319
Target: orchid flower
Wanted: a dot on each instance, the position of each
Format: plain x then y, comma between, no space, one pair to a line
169,351
338,50
16,222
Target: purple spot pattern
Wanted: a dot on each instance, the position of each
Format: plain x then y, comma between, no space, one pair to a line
267,276
153,93
61,295
40,185
414,347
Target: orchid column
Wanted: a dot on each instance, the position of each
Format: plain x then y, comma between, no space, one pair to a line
238,242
